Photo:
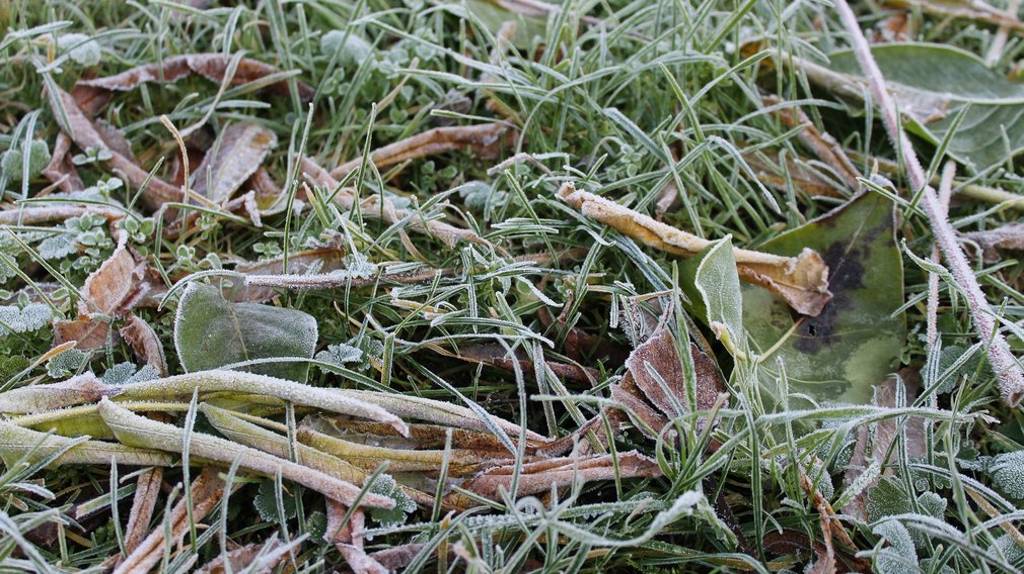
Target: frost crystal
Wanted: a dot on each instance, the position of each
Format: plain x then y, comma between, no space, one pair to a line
339,354
353,48
66,364
386,485
24,319
81,48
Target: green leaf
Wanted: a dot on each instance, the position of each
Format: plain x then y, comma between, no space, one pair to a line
384,484
212,332
854,342
932,82
718,283
265,503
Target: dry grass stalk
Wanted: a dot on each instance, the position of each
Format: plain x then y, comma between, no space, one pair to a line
821,143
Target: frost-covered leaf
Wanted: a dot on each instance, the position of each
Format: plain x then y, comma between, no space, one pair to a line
340,354
718,283
265,503
11,161
66,363
1007,471
31,317
81,48
211,332
127,373
57,246
352,48
385,485
899,557
887,498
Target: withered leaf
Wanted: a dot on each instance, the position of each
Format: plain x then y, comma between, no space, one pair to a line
84,388
1009,237
494,355
802,281
213,67
238,153
83,132
659,354
88,332
147,490
60,170
540,476
109,287
144,343
485,139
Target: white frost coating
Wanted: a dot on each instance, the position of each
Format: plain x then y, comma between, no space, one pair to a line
1007,472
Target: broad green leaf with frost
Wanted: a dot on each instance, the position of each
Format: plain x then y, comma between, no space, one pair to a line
1007,472
212,332
931,83
854,343
718,283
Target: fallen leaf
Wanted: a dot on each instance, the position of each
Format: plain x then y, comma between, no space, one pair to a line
348,539
144,343
973,10
23,215
485,139
213,67
257,558
236,156
88,333
494,355
60,171
801,280
822,144
780,174
542,476
1009,237
244,383
137,430
207,490
147,489
212,332
85,135
840,354
110,286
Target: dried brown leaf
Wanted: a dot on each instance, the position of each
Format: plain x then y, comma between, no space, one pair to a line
974,10
108,288
144,343
147,490
213,67
207,490
88,332
372,207
60,171
494,355
821,143
83,132
1009,237
541,476
486,139
51,213
779,174
238,154
659,354
801,281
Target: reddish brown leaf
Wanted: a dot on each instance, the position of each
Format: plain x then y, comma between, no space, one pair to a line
83,132
87,332
486,139
213,67
60,170
541,476
108,288
494,355
146,492
144,343
236,156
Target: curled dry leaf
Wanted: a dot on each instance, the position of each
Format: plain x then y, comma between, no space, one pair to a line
144,343
51,213
348,539
85,388
801,281
461,461
61,171
84,133
17,442
213,67
240,382
420,435
494,355
537,477
780,174
372,207
207,490
398,557
235,157
486,139
147,489
133,429
108,288
1009,237
669,394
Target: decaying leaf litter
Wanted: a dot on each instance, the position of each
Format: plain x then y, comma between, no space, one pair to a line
506,285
